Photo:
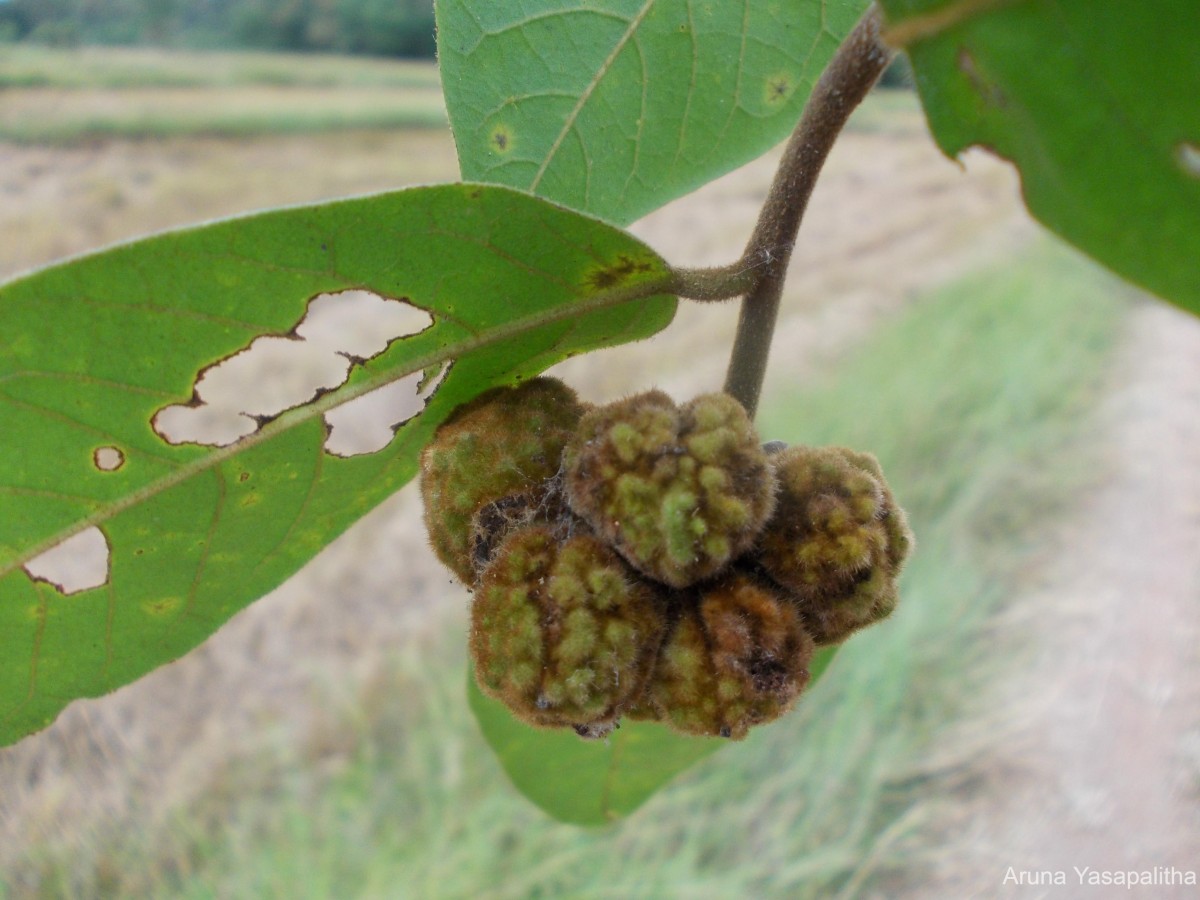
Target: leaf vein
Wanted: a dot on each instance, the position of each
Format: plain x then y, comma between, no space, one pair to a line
569,122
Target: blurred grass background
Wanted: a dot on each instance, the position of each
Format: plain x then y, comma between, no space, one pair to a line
69,96
123,68
974,397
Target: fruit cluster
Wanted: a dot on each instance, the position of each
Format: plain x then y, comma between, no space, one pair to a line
650,560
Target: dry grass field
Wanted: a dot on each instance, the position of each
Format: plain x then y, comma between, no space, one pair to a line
1083,747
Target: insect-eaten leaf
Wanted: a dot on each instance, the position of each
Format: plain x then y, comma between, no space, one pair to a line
113,406
1094,102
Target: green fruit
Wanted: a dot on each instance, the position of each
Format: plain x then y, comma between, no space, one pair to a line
836,541
564,633
737,656
506,442
678,491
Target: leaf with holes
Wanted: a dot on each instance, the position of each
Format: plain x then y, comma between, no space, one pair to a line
1094,101
140,440
594,782
617,107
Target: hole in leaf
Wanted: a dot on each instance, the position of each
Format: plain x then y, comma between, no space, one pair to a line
235,397
368,423
77,564
1187,154
108,459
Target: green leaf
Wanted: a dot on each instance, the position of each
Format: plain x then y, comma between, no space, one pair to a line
594,782
1094,101
618,106
95,349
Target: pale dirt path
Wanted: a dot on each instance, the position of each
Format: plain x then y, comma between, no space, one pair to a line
1095,757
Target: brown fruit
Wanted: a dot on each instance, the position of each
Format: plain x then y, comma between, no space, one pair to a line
678,491
563,633
506,442
837,539
737,656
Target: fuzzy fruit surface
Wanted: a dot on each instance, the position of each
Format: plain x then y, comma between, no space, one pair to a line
678,491
564,633
505,442
836,541
737,658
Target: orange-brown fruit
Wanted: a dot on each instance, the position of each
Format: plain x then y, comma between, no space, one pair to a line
678,491
837,539
505,442
564,633
737,658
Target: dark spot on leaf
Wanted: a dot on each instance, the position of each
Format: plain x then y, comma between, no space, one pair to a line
501,139
622,270
161,607
108,459
244,477
778,89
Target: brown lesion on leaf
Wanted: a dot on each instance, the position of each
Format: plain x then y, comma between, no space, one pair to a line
163,606
624,269
778,88
108,459
501,139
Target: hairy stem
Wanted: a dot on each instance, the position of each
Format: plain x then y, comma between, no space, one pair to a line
855,67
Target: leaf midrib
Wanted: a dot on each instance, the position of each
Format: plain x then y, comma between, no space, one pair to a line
569,121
